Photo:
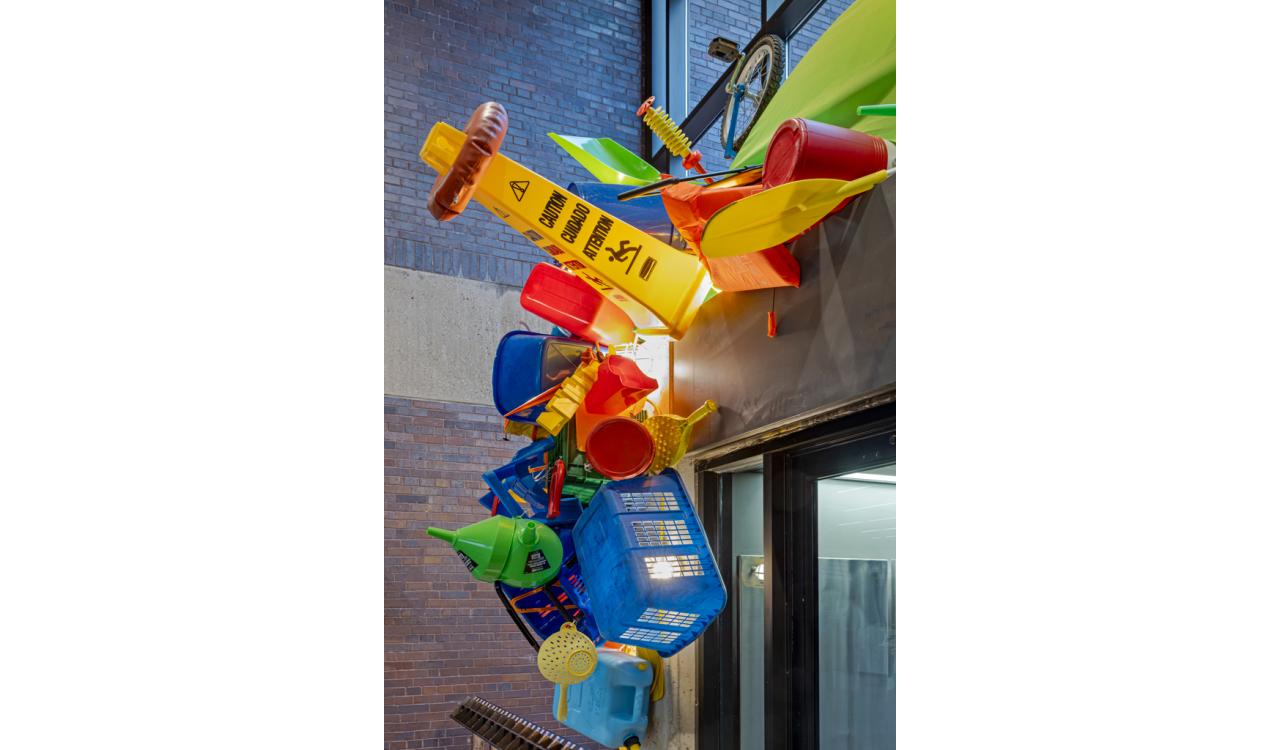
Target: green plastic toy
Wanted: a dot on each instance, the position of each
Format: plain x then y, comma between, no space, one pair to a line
518,552
607,160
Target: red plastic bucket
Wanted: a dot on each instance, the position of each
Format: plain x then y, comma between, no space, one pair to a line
807,149
620,448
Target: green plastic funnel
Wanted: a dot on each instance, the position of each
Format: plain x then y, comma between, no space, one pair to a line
517,552
607,160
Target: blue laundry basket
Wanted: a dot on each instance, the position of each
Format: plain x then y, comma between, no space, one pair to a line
647,565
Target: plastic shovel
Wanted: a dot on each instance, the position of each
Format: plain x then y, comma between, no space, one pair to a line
607,160
777,215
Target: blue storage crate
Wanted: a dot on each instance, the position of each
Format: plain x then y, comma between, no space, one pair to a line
518,483
647,565
520,486
567,587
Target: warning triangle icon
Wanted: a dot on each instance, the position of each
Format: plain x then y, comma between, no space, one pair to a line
518,187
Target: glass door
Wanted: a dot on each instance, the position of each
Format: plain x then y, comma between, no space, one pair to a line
805,535
857,670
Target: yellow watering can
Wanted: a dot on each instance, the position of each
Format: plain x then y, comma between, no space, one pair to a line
671,436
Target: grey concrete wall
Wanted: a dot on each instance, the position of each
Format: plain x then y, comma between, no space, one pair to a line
440,334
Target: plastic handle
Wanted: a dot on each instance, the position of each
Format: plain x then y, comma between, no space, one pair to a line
863,184
885,110
562,708
556,489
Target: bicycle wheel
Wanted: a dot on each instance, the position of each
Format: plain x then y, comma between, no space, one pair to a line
761,71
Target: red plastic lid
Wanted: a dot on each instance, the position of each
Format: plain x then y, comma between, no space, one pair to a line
620,448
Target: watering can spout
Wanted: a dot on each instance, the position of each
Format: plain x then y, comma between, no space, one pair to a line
702,411
445,534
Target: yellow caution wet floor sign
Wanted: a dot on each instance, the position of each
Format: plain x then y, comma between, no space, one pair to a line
658,286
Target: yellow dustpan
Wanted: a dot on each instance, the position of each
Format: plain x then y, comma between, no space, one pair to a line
777,215
671,436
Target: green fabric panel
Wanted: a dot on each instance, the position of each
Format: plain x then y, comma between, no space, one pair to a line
853,63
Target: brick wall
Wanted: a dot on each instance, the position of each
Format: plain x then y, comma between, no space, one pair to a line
565,66
446,635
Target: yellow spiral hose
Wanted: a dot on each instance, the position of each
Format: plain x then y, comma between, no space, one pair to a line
667,131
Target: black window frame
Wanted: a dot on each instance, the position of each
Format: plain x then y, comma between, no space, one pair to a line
792,465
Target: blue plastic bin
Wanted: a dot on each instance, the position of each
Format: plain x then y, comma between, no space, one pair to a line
526,364
547,620
646,214
647,565
613,703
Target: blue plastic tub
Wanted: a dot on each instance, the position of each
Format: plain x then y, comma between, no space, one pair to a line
526,364
647,565
646,214
613,703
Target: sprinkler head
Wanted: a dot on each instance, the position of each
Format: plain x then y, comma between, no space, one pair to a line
693,161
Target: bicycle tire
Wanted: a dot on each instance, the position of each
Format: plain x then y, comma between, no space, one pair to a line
772,78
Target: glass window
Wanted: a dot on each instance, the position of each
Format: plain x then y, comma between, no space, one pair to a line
806,35
712,152
857,551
